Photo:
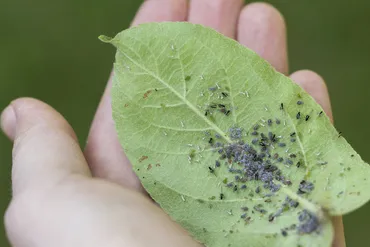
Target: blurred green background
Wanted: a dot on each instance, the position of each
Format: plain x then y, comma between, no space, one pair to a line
49,50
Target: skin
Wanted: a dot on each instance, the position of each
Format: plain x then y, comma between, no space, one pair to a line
63,196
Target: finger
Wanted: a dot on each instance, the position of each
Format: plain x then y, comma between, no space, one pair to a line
315,85
221,15
103,151
262,28
45,151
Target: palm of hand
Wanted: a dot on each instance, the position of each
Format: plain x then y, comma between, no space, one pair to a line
62,197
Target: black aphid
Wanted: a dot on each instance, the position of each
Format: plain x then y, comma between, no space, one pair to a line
235,188
235,133
272,137
258,189
289,162
222,196
206,113
256,127
243,187
211,170
210,141
298,164
243,216
298,116
218,136
269,122
221,106
292,134
213,106
352,155
225,94
237,178
278,121
280,159
212,89
339,134
271,217
254,133
293,156
281,106
282,144
299,102
284,233
218,164
227,113
321,113
307,117
187,78
254,141
292,139
155,89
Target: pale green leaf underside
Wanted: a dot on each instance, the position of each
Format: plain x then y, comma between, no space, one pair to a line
161,102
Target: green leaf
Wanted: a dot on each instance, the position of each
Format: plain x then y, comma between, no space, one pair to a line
190,106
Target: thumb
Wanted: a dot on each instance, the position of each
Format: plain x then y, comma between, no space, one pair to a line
45,147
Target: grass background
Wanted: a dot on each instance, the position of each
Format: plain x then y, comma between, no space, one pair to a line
49,50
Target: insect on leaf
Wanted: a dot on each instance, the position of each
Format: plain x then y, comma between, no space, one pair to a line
232,150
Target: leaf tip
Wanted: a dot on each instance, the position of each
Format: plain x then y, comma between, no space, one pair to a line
105,39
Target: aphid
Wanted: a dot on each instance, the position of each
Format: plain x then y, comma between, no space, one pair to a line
299,102
207,112
284,233
256,127
213,106
237,178
352,155
225,94
281,106
155,89
321,113
254,133
221,106
272,137
245,209
278,121
276,155
211,170
289,162
243,187
339,134
298,164
322,163
218,164
210,141
212,89
307,117
282,144
230,212
202,77
292,134
280,159
243,216
187,78
227,112
298,116
269,122
230,185
254,141
271,217
235,188
258,189
222,196
293,156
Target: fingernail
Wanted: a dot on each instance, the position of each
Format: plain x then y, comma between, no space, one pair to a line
8,121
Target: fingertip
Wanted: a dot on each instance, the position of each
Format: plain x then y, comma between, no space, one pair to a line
262,28
8,122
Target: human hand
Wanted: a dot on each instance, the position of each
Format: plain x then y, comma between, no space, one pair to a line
59,201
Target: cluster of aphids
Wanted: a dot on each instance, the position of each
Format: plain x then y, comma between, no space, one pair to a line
261,160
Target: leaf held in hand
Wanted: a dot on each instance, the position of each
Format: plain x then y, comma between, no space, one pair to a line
239,155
